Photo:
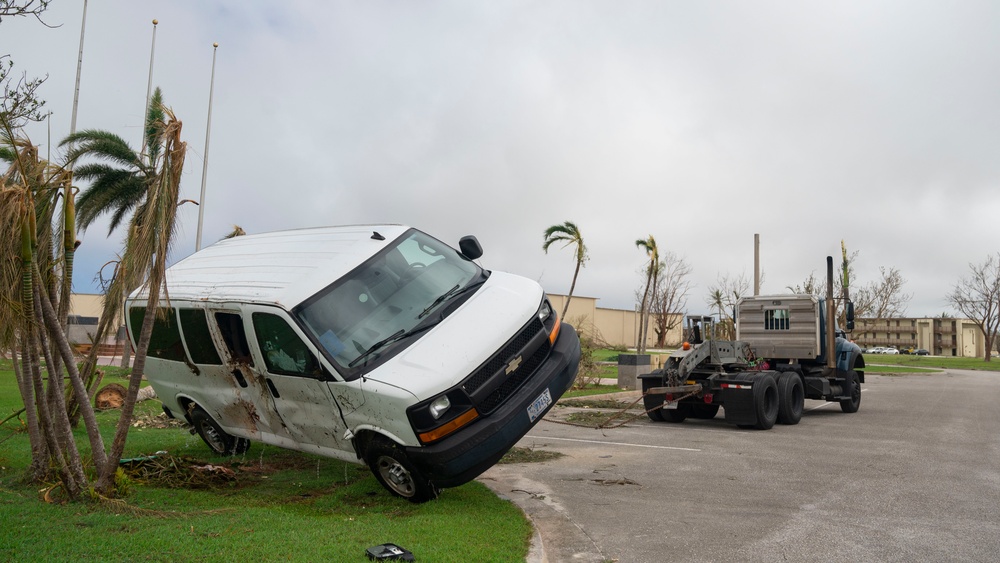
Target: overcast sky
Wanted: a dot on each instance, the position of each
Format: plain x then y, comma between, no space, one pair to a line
700,123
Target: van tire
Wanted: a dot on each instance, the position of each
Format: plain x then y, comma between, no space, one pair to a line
396,472
215,437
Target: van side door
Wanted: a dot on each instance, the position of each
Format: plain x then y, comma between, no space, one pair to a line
298,383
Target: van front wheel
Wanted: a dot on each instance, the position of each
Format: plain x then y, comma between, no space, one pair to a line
396,473
215,437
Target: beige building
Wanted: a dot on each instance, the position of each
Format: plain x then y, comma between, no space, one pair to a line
940,337
84,312
616,327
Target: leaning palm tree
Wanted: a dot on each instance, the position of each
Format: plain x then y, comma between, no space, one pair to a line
144,263
652,273
567,233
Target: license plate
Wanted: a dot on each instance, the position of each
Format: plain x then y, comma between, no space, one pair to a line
670,405
538,406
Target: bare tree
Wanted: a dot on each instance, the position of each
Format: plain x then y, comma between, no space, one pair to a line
978,298
670,298
723,297
882,299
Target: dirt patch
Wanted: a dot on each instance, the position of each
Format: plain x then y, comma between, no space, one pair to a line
156,421
528,455
599,404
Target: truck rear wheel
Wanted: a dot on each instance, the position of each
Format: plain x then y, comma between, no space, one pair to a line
652,403
704,411
853,385
791,398
765,401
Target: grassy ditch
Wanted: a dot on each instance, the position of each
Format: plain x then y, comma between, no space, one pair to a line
269,504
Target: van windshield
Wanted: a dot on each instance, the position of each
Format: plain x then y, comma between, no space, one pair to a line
365,316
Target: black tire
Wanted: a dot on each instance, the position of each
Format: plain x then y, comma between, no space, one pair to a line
679,414
704,411
853,404
651,402
765,401
791,398
396,472
215,437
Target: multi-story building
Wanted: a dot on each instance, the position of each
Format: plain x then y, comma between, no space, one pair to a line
939,336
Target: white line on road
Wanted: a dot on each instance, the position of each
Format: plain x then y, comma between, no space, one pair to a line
613,443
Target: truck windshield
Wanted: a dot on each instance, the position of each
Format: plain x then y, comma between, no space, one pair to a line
356,321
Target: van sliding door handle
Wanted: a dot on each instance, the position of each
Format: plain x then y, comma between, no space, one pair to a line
270,385
239,377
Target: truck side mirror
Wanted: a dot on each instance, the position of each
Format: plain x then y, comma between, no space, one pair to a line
850,315
469,247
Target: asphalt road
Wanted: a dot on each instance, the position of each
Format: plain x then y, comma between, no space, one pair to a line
913,476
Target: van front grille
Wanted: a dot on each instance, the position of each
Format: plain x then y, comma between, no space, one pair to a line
490,385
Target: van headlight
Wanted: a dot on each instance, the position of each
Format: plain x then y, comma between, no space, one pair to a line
439,406
438,417
550,320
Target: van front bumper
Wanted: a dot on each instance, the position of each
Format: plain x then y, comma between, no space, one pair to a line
463,456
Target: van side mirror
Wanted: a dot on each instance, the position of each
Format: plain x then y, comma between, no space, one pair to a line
469,247
850,316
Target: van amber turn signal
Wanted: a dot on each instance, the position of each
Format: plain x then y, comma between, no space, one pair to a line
449,427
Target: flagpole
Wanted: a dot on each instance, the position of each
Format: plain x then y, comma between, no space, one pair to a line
79,66
208,136
149,85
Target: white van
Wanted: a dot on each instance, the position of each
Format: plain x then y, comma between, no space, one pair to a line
373,344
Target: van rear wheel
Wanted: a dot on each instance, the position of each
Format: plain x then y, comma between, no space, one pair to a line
215,437
396,472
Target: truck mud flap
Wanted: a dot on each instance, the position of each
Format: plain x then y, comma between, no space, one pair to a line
737,403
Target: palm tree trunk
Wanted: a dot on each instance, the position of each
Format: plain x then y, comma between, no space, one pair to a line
87,411
572,286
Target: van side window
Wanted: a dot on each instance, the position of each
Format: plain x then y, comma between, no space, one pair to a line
196,335
235,337
283,350
165,341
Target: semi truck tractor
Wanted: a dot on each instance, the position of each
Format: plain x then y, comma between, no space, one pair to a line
787,349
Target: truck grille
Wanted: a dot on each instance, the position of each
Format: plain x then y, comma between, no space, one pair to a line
490,385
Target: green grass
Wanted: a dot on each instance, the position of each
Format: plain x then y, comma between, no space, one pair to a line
283,506
592,390
606,355
899,369
941,362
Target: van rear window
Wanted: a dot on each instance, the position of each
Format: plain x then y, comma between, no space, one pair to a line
165,341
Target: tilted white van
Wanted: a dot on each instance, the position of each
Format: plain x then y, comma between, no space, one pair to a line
373,344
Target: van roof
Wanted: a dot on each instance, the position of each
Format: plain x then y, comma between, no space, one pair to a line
282,267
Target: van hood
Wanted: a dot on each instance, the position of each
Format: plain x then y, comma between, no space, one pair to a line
462,342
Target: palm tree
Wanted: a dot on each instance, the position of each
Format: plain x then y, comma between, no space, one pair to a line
120,179
144,261
121,176
652,271
568,233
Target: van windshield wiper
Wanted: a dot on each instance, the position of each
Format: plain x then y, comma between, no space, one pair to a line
394,337
450,294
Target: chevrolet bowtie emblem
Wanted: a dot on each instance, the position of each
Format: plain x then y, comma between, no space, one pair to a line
513,365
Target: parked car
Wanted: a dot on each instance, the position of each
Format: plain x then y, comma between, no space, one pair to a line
874,350
921,352
890,351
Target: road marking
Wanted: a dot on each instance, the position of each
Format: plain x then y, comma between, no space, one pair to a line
613,443
827,404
